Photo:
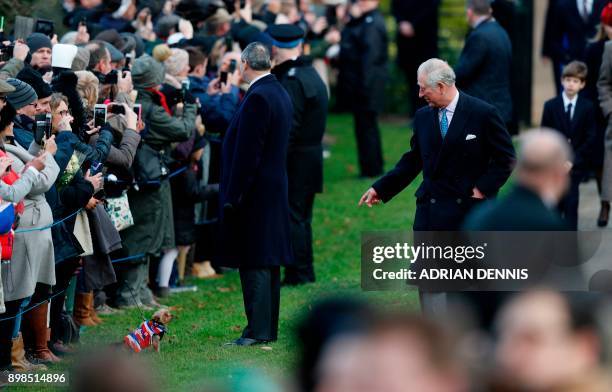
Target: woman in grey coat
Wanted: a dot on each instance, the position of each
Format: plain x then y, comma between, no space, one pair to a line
32,264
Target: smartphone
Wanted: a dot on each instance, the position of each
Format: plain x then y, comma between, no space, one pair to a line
229,43
99,115
138,110
48,119
95,168
83,21
223,77
45,27
116,109
184,88
128,59
232,66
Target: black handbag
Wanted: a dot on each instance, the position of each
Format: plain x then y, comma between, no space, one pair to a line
150,166
69,332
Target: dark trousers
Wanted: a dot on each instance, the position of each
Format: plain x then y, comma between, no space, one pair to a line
261,295
6,332
300,218
368,143
64,271
568,206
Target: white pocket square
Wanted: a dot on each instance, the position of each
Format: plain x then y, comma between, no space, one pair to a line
470,136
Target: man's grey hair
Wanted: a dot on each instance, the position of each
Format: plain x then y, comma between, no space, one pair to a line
480,7
437,71
257,56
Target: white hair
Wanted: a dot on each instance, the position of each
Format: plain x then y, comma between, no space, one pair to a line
437,71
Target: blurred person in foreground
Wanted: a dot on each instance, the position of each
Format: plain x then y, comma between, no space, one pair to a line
400,353
305,153
550,341
542,178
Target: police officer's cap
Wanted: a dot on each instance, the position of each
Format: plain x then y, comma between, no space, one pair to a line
285,36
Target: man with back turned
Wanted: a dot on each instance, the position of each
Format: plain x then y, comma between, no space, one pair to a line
253,194
305,154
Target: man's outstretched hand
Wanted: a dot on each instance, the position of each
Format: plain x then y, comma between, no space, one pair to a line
370,198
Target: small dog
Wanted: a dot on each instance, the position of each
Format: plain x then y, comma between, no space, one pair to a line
149,333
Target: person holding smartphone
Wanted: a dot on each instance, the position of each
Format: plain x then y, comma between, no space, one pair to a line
151,202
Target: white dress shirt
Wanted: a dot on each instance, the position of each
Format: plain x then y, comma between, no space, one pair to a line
567,101
589,7
257,78
450,109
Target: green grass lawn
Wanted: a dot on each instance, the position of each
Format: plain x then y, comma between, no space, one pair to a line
192,351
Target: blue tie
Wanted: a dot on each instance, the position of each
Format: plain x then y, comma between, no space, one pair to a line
443,123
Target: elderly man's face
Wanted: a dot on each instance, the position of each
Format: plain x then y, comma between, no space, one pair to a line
41,58
433,95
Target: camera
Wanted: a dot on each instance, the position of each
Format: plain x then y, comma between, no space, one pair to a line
6,52
42,127
109,78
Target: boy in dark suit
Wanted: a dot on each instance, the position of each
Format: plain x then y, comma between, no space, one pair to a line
574,118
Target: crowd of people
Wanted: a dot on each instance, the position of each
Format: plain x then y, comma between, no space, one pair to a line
111,154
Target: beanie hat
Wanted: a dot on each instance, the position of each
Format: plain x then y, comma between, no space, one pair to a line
606,15
33,78
23,95
36,41
178,61
147,72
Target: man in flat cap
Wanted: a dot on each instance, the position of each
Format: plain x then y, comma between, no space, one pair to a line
305,152
5,88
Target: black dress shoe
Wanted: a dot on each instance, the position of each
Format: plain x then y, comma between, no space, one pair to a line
245,342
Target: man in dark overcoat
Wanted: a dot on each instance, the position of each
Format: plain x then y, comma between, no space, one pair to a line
253,194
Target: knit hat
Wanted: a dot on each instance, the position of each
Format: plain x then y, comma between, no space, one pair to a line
147,72
33,78
81,60
165,24
139,46
36,41
115,53
23,95
178,61
606,15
